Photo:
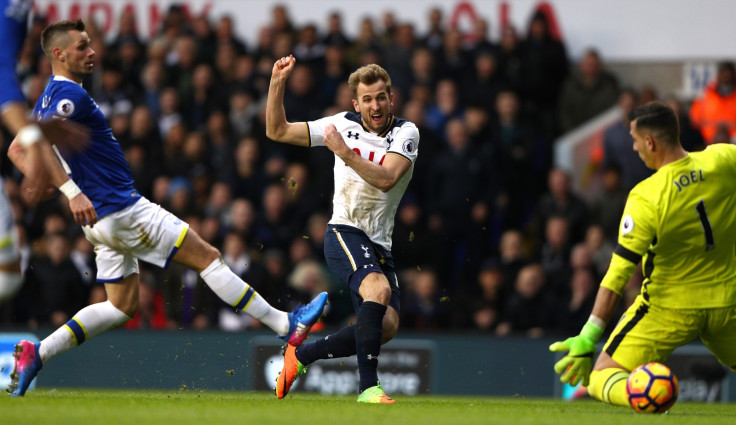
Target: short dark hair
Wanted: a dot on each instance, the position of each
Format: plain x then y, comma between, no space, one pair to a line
51,34
658,118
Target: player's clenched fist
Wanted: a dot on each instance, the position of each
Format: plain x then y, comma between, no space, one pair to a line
283,67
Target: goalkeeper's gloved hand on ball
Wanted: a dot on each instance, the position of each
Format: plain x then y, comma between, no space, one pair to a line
576,365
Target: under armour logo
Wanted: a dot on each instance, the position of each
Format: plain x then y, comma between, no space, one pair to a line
350,134
365,248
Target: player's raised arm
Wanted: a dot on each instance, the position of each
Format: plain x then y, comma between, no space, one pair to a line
277,128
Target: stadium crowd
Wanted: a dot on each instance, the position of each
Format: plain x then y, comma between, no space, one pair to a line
489,236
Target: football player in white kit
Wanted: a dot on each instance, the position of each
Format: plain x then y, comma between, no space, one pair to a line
374,160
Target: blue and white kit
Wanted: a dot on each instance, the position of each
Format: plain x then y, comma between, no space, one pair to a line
129,227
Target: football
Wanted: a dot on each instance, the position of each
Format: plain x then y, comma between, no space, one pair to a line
652,388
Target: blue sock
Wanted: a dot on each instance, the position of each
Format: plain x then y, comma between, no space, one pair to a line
339,344
368,332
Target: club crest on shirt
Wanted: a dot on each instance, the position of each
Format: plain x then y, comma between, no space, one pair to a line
408,146
65,108
627,225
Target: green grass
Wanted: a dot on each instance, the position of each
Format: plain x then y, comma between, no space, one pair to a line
106,407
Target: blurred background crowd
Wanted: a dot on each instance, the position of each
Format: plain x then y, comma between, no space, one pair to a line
489,236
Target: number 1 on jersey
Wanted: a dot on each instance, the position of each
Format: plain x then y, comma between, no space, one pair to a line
705,222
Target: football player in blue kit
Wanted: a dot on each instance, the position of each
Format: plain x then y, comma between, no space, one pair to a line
125,226
374,160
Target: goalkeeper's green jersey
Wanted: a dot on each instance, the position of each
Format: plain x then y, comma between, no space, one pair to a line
680,223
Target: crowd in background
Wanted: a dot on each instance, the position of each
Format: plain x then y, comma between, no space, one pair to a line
489,236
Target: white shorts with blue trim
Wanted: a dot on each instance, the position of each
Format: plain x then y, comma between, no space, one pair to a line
142,231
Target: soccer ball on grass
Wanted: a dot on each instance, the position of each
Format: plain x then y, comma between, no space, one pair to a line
652,388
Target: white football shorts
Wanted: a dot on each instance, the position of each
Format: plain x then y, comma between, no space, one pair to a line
142,231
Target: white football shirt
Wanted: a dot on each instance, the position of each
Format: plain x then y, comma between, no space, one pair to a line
355,202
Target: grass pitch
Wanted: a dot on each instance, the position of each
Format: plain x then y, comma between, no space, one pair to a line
107,407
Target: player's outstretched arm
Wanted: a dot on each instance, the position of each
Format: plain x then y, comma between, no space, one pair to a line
578,362
277,128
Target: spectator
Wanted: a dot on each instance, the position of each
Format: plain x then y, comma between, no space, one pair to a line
446,105
203,98
416,247
424,307
690,138
479,42
544,67
180,70
308,49
397,57
618,146
583,284
452,60
457,184
561,201
111,97
484,84
335,36
554,256
247,179
53,290
513,141
528,310
224,35
608,206
273,226
432,39
600,248
510,61
586,94
512,256
487,308
715,109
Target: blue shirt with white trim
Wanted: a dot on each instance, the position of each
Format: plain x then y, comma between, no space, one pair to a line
100,170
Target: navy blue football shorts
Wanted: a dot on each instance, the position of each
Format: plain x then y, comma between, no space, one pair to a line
352,256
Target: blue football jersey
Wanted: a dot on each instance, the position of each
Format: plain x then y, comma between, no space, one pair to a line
13,27
100,170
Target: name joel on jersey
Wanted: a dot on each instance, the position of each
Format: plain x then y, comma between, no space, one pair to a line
686,179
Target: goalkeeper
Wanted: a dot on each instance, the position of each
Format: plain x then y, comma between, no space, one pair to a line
679,224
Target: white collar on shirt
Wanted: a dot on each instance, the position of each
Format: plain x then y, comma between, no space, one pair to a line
61,78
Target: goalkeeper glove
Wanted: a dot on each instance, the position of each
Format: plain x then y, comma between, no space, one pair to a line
578,362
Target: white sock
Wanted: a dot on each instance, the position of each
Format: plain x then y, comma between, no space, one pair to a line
86,324
10,282
231,289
